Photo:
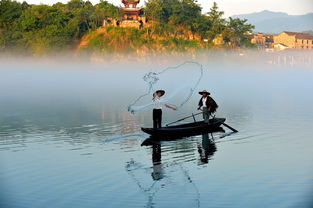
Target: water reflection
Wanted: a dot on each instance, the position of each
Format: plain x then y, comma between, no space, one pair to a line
206,149
170,176
65,126
157,167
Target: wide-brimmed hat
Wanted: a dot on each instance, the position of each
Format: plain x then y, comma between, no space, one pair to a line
161,91
204,91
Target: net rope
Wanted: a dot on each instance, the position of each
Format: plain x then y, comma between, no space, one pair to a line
151,78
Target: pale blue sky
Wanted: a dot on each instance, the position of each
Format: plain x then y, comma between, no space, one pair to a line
231,7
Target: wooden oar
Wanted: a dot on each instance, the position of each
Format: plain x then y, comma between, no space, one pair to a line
231,128
183,118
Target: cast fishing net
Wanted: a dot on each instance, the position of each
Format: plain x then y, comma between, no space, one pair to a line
179,82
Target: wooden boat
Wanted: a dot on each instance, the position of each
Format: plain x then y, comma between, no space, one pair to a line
152,140
184,130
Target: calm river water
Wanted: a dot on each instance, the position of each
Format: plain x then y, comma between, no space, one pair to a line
67,139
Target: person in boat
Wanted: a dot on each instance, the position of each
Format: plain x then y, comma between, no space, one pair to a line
157,110
208,105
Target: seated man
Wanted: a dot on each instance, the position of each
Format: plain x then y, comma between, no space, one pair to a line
208,105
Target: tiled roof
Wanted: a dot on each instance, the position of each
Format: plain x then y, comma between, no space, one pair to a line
300,35
130,1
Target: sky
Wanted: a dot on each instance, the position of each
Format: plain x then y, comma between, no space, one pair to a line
231,7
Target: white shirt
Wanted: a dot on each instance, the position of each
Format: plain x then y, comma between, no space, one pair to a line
204,102
157,103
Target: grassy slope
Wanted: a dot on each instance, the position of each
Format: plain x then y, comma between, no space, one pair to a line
110,40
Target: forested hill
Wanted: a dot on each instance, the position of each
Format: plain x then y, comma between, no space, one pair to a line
173,24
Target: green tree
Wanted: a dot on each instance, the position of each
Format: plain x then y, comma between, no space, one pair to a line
75,4
109,10
106,11
216,21
10,31
154,10
237,32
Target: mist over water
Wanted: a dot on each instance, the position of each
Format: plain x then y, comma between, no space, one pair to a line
68,140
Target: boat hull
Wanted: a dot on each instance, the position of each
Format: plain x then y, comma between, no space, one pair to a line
184,130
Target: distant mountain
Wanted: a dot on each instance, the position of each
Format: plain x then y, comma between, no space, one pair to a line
276,22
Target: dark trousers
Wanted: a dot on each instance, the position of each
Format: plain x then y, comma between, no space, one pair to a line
157,118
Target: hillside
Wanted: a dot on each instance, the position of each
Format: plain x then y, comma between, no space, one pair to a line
276,22
39,30
116,40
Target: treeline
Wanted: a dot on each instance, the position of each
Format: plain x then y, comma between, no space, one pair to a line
184,18
43,29
40,29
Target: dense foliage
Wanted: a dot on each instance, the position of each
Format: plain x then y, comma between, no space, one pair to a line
41,29
38,29
184,17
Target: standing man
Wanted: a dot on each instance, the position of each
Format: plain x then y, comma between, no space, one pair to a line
157,110
208,105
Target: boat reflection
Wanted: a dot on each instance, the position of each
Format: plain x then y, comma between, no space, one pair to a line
206,150
169,175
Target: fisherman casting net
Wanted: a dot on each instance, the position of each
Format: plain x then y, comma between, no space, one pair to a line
179,82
